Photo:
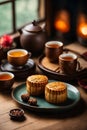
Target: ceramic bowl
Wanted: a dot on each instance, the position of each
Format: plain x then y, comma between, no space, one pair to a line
18,57
6,81
16,114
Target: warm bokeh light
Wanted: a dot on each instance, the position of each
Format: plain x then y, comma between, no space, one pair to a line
62,21
61,26
82,25
82,30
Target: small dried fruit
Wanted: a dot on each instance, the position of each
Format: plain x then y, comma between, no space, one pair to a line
32,101
25,97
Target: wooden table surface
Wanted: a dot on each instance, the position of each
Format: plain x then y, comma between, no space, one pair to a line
75,119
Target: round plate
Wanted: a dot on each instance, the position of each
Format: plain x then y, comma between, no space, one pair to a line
22,72
42,105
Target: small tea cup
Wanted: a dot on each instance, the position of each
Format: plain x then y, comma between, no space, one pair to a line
6,81
68,63
53,49
18,57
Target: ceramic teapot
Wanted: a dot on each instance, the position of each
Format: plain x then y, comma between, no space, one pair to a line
33,38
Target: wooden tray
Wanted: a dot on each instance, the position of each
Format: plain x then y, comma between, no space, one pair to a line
52,70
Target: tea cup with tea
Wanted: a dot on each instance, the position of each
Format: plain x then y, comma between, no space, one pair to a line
53,49
6,81
18,57
68,63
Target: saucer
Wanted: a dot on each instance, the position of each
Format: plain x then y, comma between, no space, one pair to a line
19,72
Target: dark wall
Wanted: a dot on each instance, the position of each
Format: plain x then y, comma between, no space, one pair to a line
74,7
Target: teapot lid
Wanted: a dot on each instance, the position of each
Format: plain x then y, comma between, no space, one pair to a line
33,27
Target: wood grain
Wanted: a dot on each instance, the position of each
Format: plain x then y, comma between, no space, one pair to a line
75,119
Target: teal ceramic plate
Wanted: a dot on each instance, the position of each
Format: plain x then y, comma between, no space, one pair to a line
42,105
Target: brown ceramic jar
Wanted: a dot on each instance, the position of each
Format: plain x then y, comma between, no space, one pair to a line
33,38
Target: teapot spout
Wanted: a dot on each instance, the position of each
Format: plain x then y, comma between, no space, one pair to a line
17,34
20,31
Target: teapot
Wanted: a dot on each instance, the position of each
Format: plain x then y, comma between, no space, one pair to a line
33,38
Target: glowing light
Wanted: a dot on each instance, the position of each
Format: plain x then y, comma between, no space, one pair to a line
82,31
61,26
62,21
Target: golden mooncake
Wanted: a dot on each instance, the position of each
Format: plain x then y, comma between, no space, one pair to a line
35,84
56,92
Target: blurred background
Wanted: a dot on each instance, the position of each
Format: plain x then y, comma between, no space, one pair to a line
64,19
16,13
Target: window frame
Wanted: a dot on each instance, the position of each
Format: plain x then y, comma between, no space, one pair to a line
13,11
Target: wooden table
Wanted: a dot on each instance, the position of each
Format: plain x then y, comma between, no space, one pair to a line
75,119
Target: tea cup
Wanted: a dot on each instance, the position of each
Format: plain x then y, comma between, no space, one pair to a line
68,63
53,49
6,81
18,57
